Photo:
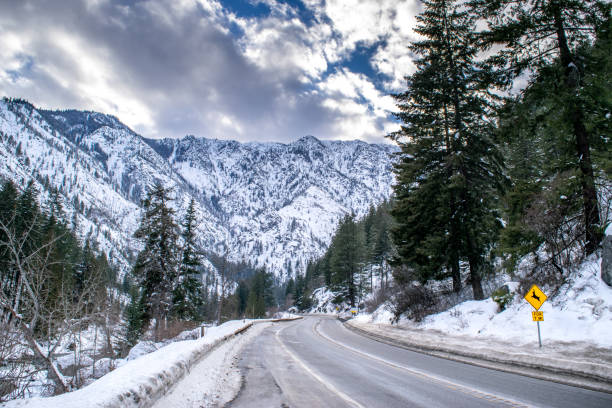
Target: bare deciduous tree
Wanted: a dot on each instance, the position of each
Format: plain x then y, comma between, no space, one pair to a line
36,318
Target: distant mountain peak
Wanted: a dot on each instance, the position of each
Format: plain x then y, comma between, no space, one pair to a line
75,124
308,139
274,205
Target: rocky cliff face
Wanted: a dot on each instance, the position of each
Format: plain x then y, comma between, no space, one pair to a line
274,205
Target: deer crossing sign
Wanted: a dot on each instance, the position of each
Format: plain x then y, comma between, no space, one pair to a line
535,297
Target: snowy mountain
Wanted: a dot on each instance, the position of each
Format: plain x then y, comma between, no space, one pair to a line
272,204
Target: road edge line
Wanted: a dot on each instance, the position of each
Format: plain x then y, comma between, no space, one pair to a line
542,373
314,374
485,395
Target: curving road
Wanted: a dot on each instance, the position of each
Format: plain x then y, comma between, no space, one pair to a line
317,362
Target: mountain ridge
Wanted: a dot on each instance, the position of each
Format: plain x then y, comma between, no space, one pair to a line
272,204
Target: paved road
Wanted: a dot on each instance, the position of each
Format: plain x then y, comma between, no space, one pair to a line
317,362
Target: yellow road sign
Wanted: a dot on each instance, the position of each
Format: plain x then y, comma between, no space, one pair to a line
535,297
537,316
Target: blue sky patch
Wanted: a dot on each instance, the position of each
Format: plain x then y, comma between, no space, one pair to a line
246,8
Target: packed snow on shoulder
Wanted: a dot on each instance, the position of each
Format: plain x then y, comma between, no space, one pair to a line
215,380
143,378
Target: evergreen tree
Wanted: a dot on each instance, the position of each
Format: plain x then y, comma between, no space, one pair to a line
134,316
546,194
534,33
84,268
243,294
28,219
64,253
187,294
449,168
527,152
9,197
156,265
346,260
301,294
289,290
260,295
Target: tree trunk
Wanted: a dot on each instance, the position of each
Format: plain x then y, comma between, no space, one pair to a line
587,182
54,372
587,179
451,147
475,277
351,288
220,304
93,366
456,273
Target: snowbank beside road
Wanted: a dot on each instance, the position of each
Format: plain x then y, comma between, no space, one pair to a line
576,331
143,380
581,311
215,380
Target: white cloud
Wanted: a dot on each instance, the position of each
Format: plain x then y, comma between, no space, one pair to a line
369,22
95,78
357,86
173,67
12,50
284,44
362,110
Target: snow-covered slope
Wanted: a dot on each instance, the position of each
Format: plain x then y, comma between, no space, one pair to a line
32,150
578,313
272,204
281,202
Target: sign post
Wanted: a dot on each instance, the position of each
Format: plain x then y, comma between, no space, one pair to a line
536,298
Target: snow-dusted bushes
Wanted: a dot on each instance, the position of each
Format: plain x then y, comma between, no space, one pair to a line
413,301
15,374
503,297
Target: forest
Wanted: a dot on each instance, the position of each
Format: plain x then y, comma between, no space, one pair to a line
504,140
504,155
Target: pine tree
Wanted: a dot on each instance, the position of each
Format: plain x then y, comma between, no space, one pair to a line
346,260
260,295
156,265
449,168
301,294
9,276
534,33
187,294
28,219
134,316
243,294
544,203
289,289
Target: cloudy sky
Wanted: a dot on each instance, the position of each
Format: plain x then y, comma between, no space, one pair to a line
266,70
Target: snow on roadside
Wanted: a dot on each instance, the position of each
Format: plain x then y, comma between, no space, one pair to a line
215,380
576,332
142,380
580,312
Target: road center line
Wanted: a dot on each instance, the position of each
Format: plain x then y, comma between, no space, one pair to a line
310,371
449,384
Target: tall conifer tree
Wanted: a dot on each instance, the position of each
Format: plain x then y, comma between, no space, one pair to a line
449,169
156,265
347,257
534,33
187,294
